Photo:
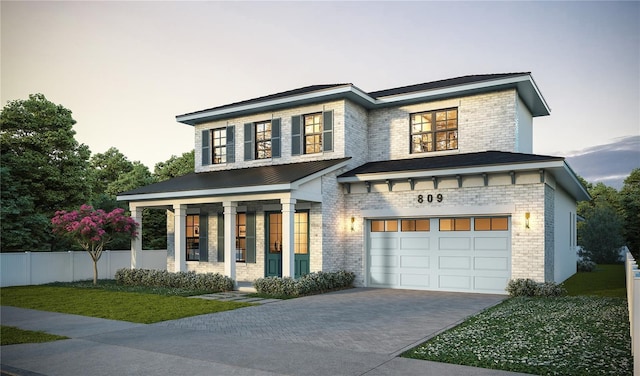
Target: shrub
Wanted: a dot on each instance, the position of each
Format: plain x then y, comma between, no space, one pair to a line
529,287
586,266
313,283
212,282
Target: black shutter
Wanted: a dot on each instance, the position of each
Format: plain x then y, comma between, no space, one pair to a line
206,148
231,146
327,131
249,146
203,236
296,135
220,244
275,138
251,238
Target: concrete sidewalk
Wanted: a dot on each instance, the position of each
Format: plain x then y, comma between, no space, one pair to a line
352,332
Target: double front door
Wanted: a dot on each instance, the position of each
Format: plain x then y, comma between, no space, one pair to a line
273,262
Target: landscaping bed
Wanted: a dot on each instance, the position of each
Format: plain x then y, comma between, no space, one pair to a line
584,334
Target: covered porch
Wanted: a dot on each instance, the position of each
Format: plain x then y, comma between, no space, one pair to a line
224,220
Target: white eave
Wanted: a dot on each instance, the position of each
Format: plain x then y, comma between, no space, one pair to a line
558,168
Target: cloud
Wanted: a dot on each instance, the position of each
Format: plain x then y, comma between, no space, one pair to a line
609,163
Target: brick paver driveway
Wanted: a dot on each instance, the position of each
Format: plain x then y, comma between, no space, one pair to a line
381,321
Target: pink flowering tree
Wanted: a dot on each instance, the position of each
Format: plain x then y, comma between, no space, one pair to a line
94,229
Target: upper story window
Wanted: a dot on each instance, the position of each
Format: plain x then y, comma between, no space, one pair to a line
313,133
434,131
219,140
262,140
218,145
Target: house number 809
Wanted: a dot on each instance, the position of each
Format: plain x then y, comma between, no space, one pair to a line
429,198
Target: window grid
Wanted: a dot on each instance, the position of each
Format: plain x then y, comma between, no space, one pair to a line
263,140
455,224
434,131
313,133
192,234
275,233
407,225
301,233
219,141
241,237
491,224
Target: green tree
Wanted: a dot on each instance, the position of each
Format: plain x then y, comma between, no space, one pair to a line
600,235
43,170
175,166
630,203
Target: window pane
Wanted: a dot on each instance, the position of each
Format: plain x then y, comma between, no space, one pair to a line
423,225
499,224
391,225
446,224
408,225
462,224
377,226
482,224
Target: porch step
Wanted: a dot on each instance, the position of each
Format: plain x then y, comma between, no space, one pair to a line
246,287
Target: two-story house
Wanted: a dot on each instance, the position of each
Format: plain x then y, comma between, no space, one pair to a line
430,186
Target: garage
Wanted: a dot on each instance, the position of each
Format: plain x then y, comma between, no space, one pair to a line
468,254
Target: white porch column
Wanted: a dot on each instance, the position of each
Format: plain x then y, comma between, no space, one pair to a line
136,244
288,225
180,241
230,239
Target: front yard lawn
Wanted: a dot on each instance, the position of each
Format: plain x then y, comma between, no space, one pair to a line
571,335
139,307
12,336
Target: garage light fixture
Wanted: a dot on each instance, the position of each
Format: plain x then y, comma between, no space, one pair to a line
527,215
353,220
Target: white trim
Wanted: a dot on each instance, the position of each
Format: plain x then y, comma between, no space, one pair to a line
400,175
443,211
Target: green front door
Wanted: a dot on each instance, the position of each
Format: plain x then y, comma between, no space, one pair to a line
273,262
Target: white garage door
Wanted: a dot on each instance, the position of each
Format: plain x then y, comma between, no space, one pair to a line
446,254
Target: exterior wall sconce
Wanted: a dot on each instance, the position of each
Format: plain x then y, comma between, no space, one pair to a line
353,220
527,215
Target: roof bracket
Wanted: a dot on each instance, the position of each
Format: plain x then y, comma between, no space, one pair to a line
486,178
348,187
368,185
541,176
412,183
434,179
513,176
459,181
389,184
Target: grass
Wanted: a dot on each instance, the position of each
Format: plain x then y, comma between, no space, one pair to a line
586,333
109,301
606,280
13,336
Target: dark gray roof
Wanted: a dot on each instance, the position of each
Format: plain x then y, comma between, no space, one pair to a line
464,80
233,109
486,158
241,177
284,94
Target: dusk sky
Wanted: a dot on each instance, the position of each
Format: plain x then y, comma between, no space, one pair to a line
126,69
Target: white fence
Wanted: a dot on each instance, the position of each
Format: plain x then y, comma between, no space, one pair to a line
35,268
633,300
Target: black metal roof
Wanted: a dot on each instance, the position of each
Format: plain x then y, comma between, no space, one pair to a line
486,158
464,80
241,177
